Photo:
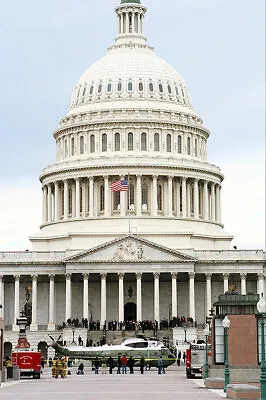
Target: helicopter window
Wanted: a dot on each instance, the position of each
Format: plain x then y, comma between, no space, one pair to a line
141,345
164,352
130,344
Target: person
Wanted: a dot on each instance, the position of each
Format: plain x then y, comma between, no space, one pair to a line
179,358
124,364
163,369
119,365
80,370
54,367
59,368
184,357
160,365
131,365
110,364
42,363
50,362
9,369
142,365
104,368
96,365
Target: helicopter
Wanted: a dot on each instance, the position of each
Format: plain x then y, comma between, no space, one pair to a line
150,349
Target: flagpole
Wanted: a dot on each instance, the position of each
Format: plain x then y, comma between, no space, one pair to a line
129,227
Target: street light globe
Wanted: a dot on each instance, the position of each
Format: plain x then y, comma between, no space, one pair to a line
206,330
226,322
261,305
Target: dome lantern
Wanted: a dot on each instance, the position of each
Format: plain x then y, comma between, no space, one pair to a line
130,15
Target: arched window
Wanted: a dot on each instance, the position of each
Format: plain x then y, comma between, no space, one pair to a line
70,204
100,87
144,195
179,144
177,92
84,91
143,141
92,144
141,86
109,87
72,146
160,197
104,142
91,89
81,144
66,152
102,197
117,141
130,141
169,89
188,146
119,86
160,88
168,143
130,86
196,147
151,88
156,142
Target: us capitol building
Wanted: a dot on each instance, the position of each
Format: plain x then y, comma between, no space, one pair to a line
153,252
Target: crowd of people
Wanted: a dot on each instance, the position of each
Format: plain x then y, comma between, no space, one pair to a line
132,325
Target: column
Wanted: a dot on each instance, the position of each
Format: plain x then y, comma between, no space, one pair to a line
33,325
174,294
83,199
123,202
184,197
188,199
217,203
16,303
106,197
205,201
226,286
121,23
196,198
73,199
127,23
51,323
133,22
49,208
77,198
86,296
56,201
260,284
208,293
192,295
44,204
66,200
170,196
154,196
212,202
121,297
91,197
243,277
103,299
1,297
139,297
156,297
68,296
138,195
177,198
139,23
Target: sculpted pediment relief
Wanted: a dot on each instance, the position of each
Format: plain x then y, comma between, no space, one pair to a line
129,249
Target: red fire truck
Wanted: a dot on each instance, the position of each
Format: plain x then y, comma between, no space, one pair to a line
29,362
195,359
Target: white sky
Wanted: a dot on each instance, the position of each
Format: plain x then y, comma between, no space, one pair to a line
216,46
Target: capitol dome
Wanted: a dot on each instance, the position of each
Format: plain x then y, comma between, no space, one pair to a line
131,119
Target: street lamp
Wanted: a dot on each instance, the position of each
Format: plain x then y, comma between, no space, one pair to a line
73,333
185,331
261,307
226,325
206,334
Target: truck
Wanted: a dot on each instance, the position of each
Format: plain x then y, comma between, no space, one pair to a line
196,359
28,362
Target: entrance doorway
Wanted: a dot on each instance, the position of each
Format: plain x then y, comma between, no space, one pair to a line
130,311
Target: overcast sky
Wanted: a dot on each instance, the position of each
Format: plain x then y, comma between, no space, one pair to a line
217,46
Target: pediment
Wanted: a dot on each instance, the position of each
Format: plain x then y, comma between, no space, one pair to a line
130,249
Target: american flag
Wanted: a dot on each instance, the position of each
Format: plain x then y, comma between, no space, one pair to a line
119,186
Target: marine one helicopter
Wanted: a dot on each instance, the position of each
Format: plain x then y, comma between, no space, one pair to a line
151,350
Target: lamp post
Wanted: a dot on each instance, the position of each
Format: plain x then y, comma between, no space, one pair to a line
261,307
185,332
226,325
73,333
206,334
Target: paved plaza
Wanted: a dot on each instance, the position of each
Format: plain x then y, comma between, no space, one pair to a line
172,386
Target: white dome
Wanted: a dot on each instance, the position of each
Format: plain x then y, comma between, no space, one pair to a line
131,76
